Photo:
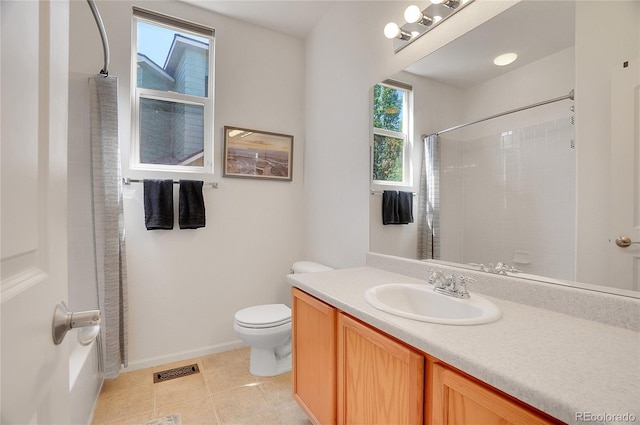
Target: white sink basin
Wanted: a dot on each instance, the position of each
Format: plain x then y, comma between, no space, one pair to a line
420,302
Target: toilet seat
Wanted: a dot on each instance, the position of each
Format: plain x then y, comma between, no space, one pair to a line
263,316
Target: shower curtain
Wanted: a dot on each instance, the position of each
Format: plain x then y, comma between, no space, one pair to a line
429,204
108,223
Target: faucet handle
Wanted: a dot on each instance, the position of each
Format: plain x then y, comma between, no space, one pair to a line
461,287
466,279
435,274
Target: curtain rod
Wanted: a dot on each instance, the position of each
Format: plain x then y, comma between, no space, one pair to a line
128,181
103,36
534,105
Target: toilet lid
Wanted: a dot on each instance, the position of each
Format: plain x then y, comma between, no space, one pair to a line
263,316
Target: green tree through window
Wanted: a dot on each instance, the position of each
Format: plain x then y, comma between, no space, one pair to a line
389,138
387,108
387,158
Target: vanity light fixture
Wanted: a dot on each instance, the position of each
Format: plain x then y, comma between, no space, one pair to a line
451,4
420,21
505,59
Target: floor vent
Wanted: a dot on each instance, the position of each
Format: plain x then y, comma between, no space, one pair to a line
178,372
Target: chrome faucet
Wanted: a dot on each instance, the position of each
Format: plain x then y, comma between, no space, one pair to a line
500,268
449,285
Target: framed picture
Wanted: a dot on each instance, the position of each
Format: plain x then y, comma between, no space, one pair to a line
257,154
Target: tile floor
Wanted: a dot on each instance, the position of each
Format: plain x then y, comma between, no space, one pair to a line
224,392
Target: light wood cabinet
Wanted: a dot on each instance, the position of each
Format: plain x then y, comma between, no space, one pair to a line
314,357
380,381
458,400
349,373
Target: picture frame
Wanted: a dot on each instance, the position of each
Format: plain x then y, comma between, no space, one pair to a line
257,154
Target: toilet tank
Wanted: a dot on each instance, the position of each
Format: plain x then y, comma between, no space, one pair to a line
308,267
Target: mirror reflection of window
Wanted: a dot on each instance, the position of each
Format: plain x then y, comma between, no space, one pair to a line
391,150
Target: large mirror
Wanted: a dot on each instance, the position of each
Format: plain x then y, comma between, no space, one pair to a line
546,190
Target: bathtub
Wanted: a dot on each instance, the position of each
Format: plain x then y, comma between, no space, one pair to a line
85,380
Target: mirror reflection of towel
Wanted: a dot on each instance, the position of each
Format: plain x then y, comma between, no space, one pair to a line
397,207
158,204
405,207
191,209
389,207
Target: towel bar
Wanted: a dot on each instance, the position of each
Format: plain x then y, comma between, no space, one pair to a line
379,192
127,181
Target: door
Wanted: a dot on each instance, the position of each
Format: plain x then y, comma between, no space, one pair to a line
33,116
314,357
458,400
625,174
380,381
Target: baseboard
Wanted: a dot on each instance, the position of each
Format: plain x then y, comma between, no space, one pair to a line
183,355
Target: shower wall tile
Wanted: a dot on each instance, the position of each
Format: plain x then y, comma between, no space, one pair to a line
518,190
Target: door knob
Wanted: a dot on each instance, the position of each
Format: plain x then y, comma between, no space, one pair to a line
624,241
64,320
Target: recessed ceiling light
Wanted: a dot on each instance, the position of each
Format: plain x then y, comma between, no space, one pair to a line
505,59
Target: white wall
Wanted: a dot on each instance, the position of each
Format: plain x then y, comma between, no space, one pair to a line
615,41
186,285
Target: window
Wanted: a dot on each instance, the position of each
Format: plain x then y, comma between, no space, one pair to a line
172,69
391,153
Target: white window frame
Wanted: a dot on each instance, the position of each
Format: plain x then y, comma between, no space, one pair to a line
137,93
407,143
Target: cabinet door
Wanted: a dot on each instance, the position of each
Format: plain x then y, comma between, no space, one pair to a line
314,357
380,381
457,399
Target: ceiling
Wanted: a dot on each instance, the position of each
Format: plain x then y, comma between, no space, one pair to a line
532,29
292,17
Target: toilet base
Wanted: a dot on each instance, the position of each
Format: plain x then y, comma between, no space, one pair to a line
265,362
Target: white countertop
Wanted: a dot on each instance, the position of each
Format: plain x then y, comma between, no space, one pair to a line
557,363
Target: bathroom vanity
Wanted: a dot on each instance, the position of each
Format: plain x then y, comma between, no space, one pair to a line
356,364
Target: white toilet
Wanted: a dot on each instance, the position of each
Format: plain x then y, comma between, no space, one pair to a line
267,329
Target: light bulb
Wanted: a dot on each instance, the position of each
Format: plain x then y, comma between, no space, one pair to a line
505,59
412,14
451,4
391,30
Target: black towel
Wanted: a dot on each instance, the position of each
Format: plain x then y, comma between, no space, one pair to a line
405,207
158,204
390,207
397,207
191,208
